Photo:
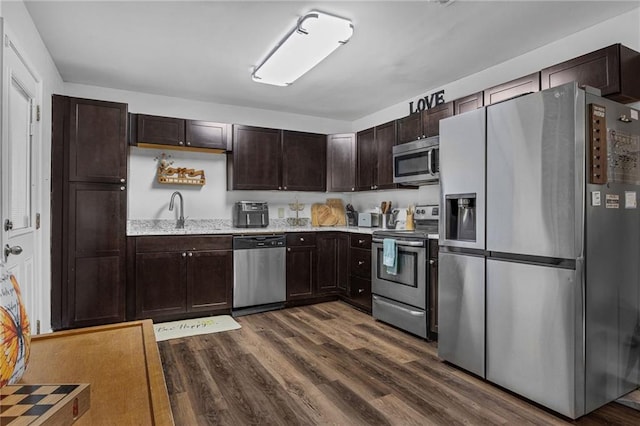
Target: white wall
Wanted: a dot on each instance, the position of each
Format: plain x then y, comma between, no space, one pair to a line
18,23
198,110
623,29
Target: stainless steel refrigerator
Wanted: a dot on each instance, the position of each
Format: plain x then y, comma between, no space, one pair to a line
540,247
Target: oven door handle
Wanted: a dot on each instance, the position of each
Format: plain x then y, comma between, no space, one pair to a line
409,311
402,243
429,155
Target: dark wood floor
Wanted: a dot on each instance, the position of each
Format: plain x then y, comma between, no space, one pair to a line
329,364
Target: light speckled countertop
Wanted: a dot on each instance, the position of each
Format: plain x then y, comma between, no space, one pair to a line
141,227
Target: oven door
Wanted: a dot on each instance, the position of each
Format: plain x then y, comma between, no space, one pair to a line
409,285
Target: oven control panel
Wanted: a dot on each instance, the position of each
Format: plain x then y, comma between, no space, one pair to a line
427,212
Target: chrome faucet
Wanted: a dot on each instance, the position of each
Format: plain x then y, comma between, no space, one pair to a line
180,223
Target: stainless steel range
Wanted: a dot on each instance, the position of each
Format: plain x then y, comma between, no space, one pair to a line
401,293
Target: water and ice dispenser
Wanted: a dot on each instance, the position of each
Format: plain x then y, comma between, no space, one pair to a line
460,216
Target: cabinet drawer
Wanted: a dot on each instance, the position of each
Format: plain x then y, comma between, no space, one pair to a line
177,243
300,239
360,292
361,263
362,241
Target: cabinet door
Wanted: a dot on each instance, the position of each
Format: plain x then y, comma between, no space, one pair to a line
209,280
385,140
304,161
96,255
257,158
366,154
410,128
599,69
332,261
513,88
301,266
341,162
160,284
468,103
431,118
160,130
206,134
97,141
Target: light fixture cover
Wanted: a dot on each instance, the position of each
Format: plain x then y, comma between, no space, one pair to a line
314,37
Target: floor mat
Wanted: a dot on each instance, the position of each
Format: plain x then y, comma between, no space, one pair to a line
193,327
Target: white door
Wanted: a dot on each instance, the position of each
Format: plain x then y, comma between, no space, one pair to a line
19,183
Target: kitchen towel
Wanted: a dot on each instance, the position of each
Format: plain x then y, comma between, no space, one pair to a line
390,255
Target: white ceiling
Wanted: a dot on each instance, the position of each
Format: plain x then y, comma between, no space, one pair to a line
205,50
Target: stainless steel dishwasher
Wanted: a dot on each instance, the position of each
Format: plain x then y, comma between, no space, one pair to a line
259,273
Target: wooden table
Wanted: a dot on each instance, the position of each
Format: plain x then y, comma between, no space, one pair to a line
120,361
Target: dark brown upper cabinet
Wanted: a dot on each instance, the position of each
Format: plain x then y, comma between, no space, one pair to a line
385,140
410,128
151,129
96,140
256,160
273,159
423,124
375,158
341,162
519,86
614,70
367,160
304,157
468,103
431,118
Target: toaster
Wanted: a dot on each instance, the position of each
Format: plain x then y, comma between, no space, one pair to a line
250,214
369,220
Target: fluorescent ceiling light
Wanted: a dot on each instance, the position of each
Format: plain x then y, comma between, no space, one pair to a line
314,37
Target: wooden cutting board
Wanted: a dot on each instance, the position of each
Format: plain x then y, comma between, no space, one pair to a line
314,213
337,208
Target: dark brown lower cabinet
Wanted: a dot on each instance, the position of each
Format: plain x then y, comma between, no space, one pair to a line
359,293
180,277
333,262
301,265
96,247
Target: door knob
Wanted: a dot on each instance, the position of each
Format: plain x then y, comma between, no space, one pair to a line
15,250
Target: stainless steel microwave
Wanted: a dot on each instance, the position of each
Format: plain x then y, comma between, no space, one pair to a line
417,162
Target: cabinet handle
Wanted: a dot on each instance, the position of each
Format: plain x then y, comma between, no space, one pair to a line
360,262
184,254
180,143
188,143
360,241
288,248
122,188
279,187
301,239
360,290
190,254
122,180
353,189
432,262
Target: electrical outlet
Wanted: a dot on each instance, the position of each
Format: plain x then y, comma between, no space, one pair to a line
281,212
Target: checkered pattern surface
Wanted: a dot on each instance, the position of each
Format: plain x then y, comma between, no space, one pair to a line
23,404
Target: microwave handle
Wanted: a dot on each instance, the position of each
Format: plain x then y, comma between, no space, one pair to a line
429,155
